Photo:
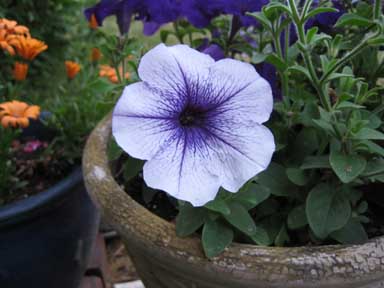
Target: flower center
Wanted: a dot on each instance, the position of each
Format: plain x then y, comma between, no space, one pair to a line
191,116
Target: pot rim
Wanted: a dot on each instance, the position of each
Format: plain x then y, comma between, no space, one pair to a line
22,210
158,237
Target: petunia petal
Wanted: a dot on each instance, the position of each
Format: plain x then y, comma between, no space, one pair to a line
141,121
240,91
246,150
172,68
180,168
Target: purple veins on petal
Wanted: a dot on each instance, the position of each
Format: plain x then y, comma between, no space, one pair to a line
198,123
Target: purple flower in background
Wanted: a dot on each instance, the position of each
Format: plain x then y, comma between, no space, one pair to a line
153,13
157,13
200,12
268,71
196,121
241,7
102,10
213,50
326,21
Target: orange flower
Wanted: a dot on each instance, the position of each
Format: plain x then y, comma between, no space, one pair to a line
17,114
72,69
4,42
20,71
93,24
28,48
95,54
110,72
12,27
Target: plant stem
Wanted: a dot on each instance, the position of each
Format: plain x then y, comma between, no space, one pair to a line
345,59
177,32
324,99
377,9
283,75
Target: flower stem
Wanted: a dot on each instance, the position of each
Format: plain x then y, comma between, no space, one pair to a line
283,75
346,58
324,99
377,9
177,32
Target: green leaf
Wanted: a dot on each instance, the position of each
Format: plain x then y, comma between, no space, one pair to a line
369,134
311,33
218,205
253,195
132,167
277,6
164,35
261,237
362,208
316,162
216,237
189,220
240,218
297,218
277,62
261,18
114,151
277,181
374,148
325,125
319,10
353,20
347,167
376,41
352,233
348,105
282,237
327,210
300,69
297,176
374,166
258,57
305,143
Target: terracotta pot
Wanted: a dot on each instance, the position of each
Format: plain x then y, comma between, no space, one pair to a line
164,260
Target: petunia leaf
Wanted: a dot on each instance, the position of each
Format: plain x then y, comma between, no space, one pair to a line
253,195
352,233
218,205
240,218
282,187
347,167
369,134
327,210
189,219
297,218
216,237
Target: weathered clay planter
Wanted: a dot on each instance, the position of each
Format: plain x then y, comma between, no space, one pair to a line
164,260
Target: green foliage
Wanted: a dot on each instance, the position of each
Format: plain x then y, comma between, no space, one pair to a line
62,26
328,127
228,213
6,168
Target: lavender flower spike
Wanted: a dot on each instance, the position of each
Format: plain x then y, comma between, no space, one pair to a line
196,121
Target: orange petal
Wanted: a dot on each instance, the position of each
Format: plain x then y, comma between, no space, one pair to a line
23,122
32,112
8,121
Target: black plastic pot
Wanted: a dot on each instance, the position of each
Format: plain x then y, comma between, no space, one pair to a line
46,239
